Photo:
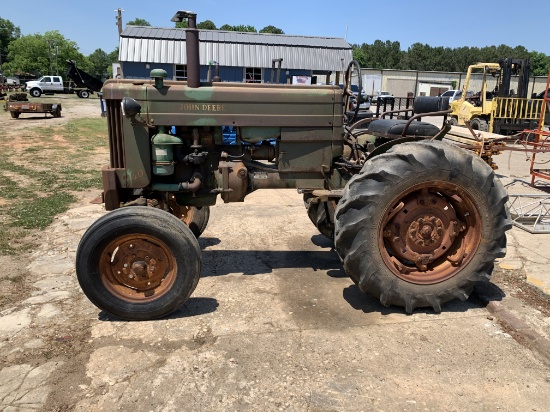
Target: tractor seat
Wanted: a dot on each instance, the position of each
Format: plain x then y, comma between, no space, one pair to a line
422,106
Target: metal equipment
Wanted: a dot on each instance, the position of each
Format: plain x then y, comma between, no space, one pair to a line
85,82
502,110
416,222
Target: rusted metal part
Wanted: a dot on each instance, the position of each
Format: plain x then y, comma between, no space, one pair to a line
232,180
184,213
17,107
137,268
111,195
430,232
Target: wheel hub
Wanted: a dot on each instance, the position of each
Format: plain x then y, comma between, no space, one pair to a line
423,234
139,264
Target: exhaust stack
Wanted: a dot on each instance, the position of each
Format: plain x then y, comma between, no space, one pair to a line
191,46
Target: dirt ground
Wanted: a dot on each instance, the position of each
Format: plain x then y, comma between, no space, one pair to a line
274,324
13,279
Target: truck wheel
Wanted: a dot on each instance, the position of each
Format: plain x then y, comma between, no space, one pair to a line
319,214
15,115
138,263
479,124
421,224
84,94
35,92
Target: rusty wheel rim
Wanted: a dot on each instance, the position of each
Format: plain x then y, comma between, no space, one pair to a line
184,213
137,268
430,232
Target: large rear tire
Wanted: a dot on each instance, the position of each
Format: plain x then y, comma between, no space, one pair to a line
421,224
138,263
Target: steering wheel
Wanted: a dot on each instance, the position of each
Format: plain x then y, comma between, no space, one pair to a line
348,93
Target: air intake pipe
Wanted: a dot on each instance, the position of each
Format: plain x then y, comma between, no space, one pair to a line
191,46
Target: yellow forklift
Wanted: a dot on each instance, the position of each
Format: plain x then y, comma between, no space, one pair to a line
501,110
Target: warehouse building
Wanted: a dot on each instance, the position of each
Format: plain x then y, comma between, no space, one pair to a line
238,57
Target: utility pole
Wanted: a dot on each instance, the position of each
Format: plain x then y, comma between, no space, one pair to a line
119,20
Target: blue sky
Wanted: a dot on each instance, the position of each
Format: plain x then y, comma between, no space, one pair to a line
91,24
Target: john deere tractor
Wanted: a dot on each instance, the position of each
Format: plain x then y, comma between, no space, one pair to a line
416,222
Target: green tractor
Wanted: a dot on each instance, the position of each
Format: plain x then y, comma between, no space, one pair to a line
416,222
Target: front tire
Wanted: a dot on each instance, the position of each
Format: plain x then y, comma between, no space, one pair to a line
479,124
35,92
14,115
421,224
138,263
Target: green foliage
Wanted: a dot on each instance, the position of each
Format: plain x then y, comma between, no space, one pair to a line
100,63
8,33
272,30
388,55
41,54
207,25
138,22
240,28
181,24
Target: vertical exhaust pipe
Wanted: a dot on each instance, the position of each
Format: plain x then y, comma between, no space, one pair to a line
191,46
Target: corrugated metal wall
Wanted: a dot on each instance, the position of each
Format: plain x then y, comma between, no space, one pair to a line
401,82
139,44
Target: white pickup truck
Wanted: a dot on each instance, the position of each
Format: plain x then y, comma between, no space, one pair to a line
53,84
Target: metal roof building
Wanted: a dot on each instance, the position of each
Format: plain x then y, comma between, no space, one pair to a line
234,52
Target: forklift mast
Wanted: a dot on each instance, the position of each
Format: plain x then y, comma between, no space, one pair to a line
509,67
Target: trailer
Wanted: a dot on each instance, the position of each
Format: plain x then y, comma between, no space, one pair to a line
86,82
18,104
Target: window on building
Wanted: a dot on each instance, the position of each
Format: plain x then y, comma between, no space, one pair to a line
253,75
181,72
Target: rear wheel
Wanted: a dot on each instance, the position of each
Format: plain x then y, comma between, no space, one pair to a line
138,263
195,218
15,115
84,94
479,124
320,214
453,121
421,224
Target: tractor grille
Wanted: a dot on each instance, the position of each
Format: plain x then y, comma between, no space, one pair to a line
116,135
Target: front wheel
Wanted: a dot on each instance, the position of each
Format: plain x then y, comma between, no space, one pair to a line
35,92
138,263
479,124
15,115
421,224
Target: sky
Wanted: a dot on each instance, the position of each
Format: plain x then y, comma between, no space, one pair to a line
92,25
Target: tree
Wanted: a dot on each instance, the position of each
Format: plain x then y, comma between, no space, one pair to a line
272,30
207,25
8,33
100,64
540,64
240,28
138,22
42,54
